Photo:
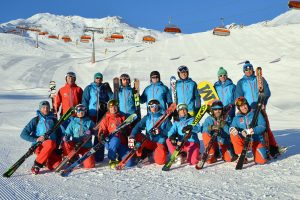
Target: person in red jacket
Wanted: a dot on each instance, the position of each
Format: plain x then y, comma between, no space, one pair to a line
69,95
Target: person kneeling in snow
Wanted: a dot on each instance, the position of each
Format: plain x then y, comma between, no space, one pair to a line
116,144
77,131
35,130
154,141
218,122
175,135
239,130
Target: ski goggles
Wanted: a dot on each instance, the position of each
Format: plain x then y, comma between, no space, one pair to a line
181,107
153,106
80,109
240,101
182,69
112,103
154,77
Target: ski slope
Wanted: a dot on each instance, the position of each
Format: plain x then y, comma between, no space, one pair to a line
25,73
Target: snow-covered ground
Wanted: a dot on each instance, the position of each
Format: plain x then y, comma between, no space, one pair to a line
26,71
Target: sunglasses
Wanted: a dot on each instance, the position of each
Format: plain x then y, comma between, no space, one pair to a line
78,110
154,77
218,109
222,76
153,106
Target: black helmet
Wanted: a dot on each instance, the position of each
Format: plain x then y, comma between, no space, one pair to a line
72,74
125,77
155,73
182,68
153,102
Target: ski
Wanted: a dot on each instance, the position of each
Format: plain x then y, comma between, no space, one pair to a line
168,112
212,140
116,83
71,155
136,94
173,88
187,135
261,98
31,150
52,93
94,149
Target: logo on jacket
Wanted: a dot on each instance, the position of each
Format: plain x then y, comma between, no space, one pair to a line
65,94
241,120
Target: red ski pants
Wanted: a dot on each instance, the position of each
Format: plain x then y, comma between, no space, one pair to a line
46,154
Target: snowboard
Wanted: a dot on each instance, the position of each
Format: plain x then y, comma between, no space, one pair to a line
136,95
207,92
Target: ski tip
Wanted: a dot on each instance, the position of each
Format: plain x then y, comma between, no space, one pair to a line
165,169
5,175
197,167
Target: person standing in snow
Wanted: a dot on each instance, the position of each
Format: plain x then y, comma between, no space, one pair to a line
68,96
239,129
155,141
187,92
248,88
95,97
218,122
176,133
77,131
34,132
117,144
225,90
156,90
126,98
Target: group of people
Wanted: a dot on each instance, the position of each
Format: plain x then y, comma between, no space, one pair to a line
99,113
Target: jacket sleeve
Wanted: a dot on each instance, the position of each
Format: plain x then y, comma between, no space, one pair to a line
261,125
205,125
197,97
166,127
143,97
69,129
28,131
168,96
266,91
173,130
86,97
58,100
239,90
141,125
80,94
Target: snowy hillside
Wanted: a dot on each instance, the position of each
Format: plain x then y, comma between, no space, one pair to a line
25,72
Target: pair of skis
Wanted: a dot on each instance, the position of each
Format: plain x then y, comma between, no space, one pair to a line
31,150
94,149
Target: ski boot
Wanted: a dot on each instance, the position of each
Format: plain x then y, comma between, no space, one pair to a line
113,164
35,169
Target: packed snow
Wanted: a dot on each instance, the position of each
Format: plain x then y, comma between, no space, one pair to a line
26,71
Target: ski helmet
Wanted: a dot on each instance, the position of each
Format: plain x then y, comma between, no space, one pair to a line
181,69
217,104
153,103
241,101
44,103
181,106
71,74
154,74
112,102
247,66
124,77
79,108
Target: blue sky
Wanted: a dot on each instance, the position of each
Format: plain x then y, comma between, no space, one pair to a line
191,16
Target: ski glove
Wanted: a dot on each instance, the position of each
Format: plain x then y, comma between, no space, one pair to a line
233,131
131,142
187,128
173,139
156,131
246,132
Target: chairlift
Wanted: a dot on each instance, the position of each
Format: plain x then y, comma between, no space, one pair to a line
171,28
294,4
117,36
149,38
66,38
221,30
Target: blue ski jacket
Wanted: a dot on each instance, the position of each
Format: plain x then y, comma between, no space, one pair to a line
178,126
76,130
126,100
157,91
38,126
94,94
187,93
247,87
148,122
226,91
242,122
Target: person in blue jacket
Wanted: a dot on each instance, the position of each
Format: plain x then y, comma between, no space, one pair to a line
156,90
126,98
239,129
175,135
248,88
77,131
35,131
156,140
225,89
95,97
218,122
186,90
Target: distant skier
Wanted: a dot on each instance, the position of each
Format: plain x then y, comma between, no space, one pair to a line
187,91
126,98
117,144
35,130
191,148
217,123
156,90
95,97
247,87
77,131
155,141
226,90
239,130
